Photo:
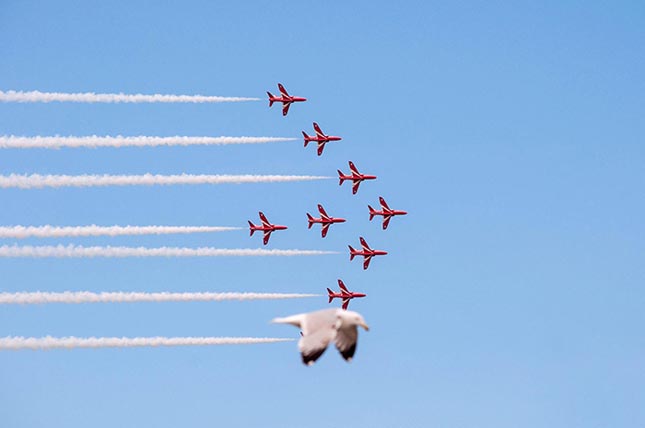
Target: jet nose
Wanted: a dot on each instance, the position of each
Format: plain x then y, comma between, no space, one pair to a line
341,220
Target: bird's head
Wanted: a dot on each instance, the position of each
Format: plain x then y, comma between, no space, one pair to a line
354,318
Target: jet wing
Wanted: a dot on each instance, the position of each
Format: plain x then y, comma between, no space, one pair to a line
366,262
341,284
282,90
322,212
383,203
285,108
353,168
345,303
321,147
364,244
319,131
267,235
325,228
355,185
386,221
265,222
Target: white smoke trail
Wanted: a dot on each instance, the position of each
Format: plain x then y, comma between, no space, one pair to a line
21,232
48,342
93,141
62,251
42,297
91,97
39,181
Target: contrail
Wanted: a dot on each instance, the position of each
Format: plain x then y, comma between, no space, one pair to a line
34,181
42,297
73,251
48,342
94,141
91,97
21,232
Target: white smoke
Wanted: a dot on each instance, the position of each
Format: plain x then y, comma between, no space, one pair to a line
62,251
39,181
21,232
91,97
93,141
48,342
42,297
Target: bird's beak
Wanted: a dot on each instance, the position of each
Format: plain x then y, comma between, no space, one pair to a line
365,326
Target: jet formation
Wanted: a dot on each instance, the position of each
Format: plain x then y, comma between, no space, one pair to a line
320,328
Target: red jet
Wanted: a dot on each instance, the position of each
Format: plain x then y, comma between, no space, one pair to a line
356,177
386,212
367,253
321,138
266,227
344,294
324,219
285,99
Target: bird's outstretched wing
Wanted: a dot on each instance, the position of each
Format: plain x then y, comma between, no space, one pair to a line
346,339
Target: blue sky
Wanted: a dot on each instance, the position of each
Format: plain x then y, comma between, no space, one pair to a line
512,132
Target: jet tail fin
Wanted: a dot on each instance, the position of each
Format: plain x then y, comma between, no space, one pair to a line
306,137
351,253
251,228
310,220
329,292
372,212
270,98
340,177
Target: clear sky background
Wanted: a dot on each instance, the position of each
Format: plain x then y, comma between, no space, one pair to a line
512,132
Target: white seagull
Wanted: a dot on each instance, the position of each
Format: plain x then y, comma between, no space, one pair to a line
319,328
